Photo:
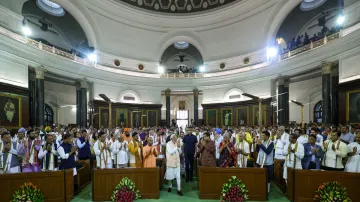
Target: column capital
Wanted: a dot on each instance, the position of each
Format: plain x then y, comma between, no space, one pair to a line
196,92
326,67
84,83
40,72
167,92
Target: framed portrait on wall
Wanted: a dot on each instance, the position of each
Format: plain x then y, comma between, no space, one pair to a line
242,116
256,115
211,117
353,106
10,111
136,118
152,118
122,117
226,117
104,117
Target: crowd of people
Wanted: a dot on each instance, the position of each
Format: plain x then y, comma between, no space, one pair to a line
37,149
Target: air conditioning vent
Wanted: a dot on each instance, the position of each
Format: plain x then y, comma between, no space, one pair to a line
234,97
129,98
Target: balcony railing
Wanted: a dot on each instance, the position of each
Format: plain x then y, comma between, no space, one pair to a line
182,75
312,45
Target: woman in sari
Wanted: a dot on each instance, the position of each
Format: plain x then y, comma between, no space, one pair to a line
227,153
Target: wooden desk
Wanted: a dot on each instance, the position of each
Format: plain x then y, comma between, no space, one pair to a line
83,174
161,171
105,180
278,174
211,181
306,183
56,186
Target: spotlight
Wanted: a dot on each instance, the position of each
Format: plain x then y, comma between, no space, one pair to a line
26,30
340,20
202,68
160,69
271,52
92,57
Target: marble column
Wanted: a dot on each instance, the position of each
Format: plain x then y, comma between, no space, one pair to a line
334,100
281,107
78,105
167,96
196,107
326,71
287,107
83,103
40,96
32,98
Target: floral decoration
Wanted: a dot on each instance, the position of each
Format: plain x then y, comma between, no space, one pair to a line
234,191
28,193
331,191
125,191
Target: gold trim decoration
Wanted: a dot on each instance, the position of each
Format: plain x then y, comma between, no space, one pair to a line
157,117
207,116
100,108
117,115
264,114
20,109
348,105
247,115
231,117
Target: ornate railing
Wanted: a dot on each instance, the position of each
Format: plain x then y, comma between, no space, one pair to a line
53,50
182,75
312,45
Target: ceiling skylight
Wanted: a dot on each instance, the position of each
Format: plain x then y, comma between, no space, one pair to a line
50,7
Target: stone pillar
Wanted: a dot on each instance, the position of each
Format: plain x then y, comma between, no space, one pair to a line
40,96
196,107
326,70
83,103
334,100
287,107
167,96
32,98
78,105
281,107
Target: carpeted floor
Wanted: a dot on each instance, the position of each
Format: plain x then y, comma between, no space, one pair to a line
190,194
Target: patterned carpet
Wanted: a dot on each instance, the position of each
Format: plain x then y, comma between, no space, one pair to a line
190,194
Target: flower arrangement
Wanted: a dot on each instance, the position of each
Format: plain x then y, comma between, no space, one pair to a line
28,193
234,191
125,191
331,191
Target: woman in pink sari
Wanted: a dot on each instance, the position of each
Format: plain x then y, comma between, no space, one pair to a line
227,153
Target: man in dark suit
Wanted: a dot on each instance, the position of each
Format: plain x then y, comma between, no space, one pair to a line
313,154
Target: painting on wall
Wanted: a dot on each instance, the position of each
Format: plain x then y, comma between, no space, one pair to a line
136,119
226,117
104,117
242,116
152,118
211,117
256,115
10,111
353,106
122,117
181,105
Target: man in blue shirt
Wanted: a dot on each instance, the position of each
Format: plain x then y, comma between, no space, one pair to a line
190,142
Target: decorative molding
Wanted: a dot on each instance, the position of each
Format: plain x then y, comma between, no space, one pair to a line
40,72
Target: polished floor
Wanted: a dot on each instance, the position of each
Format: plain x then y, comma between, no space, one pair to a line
190,194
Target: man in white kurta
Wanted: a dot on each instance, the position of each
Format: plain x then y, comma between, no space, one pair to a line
120,151
48,153
335,151
353,163
242,150
102,152
294,152
173,151
8,154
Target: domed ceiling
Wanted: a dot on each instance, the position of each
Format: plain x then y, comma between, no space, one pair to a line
177,6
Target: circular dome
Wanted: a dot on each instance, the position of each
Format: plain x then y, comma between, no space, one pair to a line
181,45
51,7
307,5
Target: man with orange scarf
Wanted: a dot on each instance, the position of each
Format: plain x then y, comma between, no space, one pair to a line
135,151
32,145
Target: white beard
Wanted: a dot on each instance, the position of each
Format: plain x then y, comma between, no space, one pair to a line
9,115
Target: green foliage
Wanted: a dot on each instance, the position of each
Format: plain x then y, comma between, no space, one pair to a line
331,191
28,193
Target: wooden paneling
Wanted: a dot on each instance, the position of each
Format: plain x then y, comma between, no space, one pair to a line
105,181
342,88
51,184
290,183
278,174
69,184
83,174
211,181
162,171
308,181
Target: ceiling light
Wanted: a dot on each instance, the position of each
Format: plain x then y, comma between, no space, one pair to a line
202,68
161,69
26,30
271,52
92,57
340,20
181,45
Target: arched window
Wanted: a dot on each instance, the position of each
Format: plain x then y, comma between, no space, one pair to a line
318,112
49,116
